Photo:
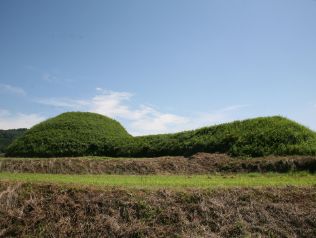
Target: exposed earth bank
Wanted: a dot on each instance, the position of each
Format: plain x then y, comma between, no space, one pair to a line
28,210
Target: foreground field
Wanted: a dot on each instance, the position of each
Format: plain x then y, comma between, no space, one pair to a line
203,195
38,210
168,181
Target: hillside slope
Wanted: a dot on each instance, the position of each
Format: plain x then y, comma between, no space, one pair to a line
69,134
253,137
79,134
7,136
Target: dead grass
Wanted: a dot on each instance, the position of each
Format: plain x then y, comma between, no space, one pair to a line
200,163
53,211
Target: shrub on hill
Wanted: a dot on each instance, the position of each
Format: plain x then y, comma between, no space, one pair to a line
78,134
7,136
69,134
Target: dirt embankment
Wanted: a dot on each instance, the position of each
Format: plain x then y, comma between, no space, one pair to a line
51,211
200,163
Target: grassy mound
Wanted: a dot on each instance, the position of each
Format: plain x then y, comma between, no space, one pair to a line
253,137
78,134
69,134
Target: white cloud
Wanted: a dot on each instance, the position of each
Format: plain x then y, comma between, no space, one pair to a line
6,88
10,120
63,102
234,108
158,123
113,104
142,119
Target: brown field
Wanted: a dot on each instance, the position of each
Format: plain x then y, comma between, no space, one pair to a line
28,210
201,163
67,210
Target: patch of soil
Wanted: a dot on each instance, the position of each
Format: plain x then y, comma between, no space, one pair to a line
28,210
200,163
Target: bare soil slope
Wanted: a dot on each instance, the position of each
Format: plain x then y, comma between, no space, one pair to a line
56,211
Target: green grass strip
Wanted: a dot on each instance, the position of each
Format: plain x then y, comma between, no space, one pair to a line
161,181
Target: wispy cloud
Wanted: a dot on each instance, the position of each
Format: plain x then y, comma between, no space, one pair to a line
54,78
142,119
157,123
63,102
234,108
48,76
7,88
10,120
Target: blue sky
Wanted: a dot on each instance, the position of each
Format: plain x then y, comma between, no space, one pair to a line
158,66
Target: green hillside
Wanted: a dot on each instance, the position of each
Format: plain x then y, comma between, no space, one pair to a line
253,137
7,136
78,134
69,134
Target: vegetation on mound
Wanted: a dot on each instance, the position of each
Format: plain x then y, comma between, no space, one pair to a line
79,134
7,136
253,137
69,134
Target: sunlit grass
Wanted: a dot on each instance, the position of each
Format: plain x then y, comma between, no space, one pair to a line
161,181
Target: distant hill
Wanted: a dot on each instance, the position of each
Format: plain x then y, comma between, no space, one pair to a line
7,136
79,134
